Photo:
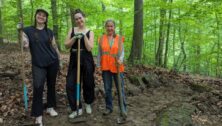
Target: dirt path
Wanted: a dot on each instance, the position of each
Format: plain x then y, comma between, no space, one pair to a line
155,97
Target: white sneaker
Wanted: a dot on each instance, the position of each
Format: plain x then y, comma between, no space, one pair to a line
88,109
38,120
51,112
74,114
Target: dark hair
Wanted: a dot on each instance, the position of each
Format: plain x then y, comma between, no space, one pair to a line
112,21
45,12
46,22
79,11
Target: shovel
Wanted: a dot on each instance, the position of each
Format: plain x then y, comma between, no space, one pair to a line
123,115
79,118
20,37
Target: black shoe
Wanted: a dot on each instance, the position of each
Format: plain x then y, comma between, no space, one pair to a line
107,112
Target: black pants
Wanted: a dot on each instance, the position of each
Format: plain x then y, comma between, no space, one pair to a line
40,75
87,76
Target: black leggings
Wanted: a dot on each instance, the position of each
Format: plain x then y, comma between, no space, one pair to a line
87,77
40,74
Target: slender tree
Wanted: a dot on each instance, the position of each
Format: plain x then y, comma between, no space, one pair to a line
159,53
72,10
20,12
32,11
197,52
168,36
174,50
1,22
137,43
218,45
182,38
155,33
55,21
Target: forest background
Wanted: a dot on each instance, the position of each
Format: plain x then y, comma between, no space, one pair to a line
182,35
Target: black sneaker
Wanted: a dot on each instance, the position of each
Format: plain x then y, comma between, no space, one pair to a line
107,112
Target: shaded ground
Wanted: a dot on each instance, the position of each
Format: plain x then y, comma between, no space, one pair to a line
155,96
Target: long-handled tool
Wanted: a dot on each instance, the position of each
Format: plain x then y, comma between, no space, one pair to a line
120,92
123,115
79,118
20,37
25,91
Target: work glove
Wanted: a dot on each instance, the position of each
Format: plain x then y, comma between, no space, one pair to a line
79,35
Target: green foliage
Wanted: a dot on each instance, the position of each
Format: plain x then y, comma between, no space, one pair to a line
197,23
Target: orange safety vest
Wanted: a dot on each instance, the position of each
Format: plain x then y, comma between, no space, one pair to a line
109,55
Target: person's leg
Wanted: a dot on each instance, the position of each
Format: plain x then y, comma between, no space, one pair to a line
71,92
88,85
52,71
107,80
71,88
122,91
39,76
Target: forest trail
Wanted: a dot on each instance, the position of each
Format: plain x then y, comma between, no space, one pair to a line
155,96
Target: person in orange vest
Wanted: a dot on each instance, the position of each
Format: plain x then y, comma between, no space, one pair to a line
111,50
87,66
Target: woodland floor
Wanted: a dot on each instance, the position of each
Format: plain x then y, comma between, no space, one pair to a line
155,96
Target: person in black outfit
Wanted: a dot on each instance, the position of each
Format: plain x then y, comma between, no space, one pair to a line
45,64
87,67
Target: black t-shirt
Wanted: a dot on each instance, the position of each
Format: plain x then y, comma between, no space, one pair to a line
42,52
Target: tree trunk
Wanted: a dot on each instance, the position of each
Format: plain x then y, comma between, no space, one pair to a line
159,53
181,62
137,43
72,11
103,11
155,33
55,22
67,12
168,36
120,26
197,59
174,52
32,11
182,42
20,14
1,25
218,46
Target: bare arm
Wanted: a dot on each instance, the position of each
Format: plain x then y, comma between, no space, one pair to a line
69,41
25,40
121,58
89,43
55,47
121,53
99,56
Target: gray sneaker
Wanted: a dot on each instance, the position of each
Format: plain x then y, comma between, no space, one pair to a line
107,112
121,120
88,109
